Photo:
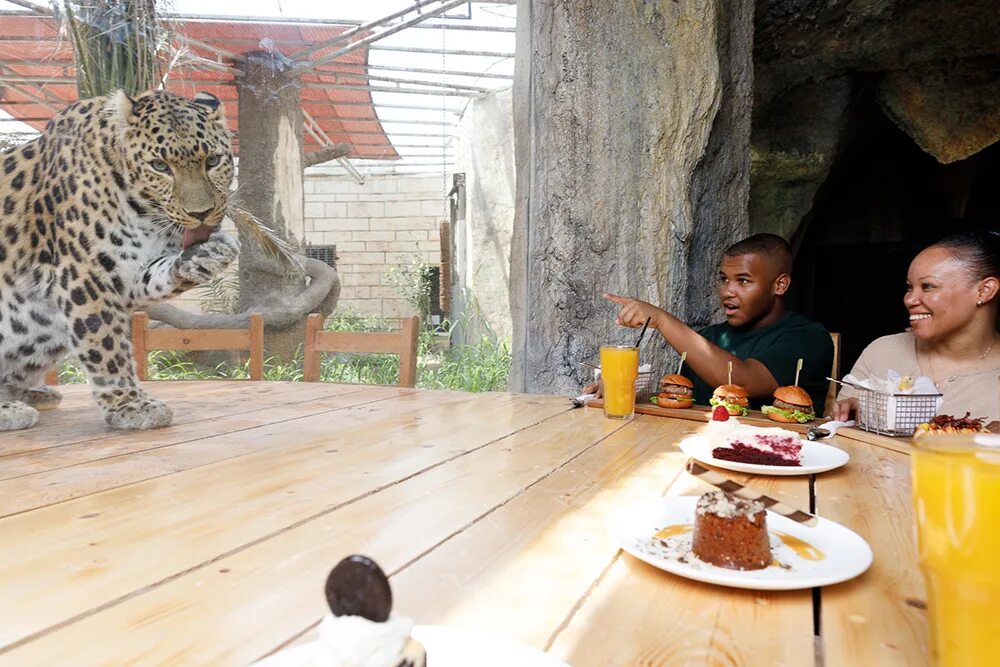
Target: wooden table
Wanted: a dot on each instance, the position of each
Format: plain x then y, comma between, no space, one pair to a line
207,543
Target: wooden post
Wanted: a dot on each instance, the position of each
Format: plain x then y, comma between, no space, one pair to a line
311,358
408,354
140,323
256,346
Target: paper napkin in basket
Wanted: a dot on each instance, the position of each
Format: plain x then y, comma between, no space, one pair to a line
895,385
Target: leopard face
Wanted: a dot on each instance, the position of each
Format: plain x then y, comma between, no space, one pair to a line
178,156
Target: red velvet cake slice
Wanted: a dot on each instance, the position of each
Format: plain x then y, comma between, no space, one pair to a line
761,446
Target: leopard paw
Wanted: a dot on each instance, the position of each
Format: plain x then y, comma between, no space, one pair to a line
204,261
141,413
15,415
42,398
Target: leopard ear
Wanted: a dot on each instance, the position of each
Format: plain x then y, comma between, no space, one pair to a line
121,107
212,102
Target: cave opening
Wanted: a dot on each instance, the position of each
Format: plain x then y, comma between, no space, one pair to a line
884,200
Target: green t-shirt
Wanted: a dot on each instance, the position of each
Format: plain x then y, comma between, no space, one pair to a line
777,346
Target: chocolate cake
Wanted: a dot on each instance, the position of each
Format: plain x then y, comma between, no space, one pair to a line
731,532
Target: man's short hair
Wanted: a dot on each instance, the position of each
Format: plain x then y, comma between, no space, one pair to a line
771,246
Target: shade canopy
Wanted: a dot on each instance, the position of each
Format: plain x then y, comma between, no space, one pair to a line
38,75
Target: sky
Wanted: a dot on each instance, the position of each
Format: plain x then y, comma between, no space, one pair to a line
444,109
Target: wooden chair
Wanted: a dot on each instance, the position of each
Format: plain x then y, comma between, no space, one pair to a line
402,342
145,339
831,392
52,376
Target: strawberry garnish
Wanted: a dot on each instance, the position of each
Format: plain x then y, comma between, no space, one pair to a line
720,414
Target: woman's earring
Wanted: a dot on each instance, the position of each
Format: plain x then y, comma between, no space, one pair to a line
979,303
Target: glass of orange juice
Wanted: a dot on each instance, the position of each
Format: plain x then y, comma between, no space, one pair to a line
619,370
956,494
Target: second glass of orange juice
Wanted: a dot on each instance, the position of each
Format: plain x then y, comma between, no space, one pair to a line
956,493
619,370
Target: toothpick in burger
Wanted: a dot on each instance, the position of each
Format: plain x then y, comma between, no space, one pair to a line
733,398
792,405
676,391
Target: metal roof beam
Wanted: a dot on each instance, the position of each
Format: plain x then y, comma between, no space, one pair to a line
417,6
447,52
418,70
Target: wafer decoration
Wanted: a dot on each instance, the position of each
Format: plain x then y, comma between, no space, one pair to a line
737,489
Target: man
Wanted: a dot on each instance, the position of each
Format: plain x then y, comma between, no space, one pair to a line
760,337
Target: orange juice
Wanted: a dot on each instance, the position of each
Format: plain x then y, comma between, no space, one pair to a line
619,369
956,492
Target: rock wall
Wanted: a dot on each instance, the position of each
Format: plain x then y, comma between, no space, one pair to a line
631,136
485,153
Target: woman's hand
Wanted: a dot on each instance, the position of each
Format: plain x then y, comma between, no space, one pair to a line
597,389
634,313
843,411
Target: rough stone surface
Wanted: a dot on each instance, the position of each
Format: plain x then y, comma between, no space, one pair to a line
485,152
933,63
795,142
629,162
951,110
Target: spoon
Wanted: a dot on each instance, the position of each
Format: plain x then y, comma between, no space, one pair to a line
826,430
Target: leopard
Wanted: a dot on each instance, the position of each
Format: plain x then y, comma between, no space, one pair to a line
116,205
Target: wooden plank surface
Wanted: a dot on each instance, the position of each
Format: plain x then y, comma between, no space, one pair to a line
106,545
233,608
702,413
78,418
81,434
877,618
207,542
636,614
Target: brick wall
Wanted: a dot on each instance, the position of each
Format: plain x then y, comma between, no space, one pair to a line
387,221
391,219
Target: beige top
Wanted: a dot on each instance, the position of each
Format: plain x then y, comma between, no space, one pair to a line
977,391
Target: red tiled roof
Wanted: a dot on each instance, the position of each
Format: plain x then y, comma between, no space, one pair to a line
37,63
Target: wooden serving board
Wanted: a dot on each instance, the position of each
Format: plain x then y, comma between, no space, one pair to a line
701,413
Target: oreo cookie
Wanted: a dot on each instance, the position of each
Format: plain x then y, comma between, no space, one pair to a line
357,586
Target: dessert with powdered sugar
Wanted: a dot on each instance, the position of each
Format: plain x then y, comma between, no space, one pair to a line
731,532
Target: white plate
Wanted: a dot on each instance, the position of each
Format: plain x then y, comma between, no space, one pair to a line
846,554
816,457
446,647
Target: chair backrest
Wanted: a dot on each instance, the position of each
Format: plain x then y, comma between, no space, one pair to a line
52,376
402,342
145,339
831,393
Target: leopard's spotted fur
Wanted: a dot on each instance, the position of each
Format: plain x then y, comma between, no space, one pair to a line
91,220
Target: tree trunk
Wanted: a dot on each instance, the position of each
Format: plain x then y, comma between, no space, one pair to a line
270,185
632,124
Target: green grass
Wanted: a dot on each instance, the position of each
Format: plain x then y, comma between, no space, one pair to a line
480,367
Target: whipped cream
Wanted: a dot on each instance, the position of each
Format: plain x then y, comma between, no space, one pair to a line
354,641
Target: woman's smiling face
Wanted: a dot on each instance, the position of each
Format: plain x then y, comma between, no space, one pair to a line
940,294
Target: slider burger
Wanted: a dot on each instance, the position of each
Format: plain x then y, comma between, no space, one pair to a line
732,397
792,405
676,391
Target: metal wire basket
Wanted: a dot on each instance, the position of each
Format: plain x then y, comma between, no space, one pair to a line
893,414
645,386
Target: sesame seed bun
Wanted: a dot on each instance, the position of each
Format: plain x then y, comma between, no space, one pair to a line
731,391
794,395
679,380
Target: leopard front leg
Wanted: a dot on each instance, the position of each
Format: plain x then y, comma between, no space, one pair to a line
204,261
101,338
172,274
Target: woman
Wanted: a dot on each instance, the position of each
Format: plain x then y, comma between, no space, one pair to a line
952,298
